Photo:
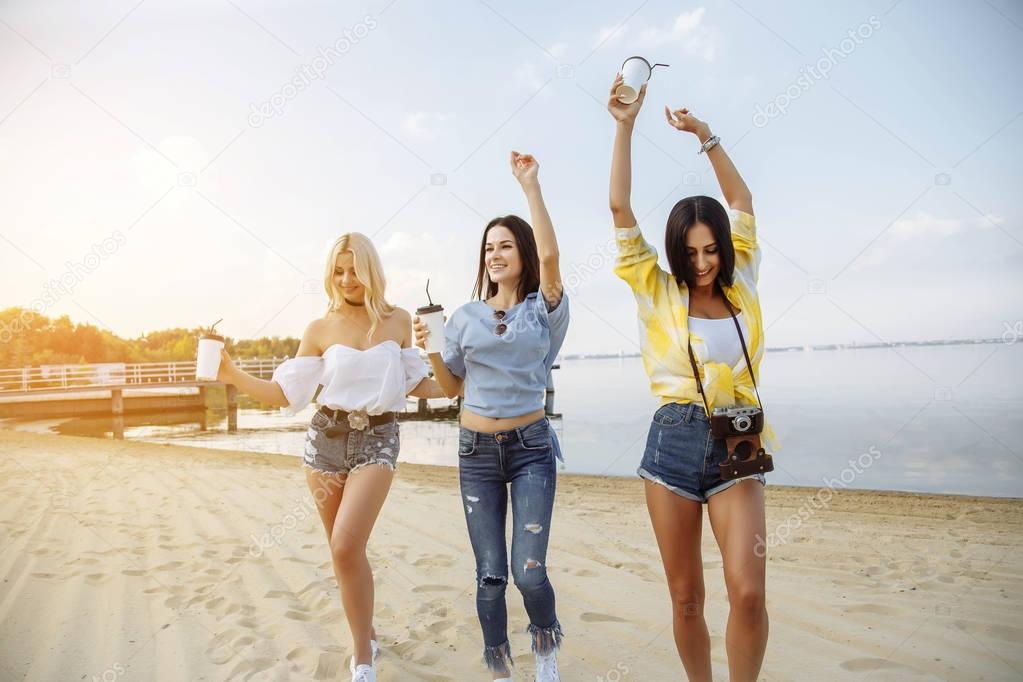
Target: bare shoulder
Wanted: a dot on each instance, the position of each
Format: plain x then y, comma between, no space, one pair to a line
401,318
403,321
312,338
317,326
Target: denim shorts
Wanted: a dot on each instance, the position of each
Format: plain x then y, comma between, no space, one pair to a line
347,450
682,455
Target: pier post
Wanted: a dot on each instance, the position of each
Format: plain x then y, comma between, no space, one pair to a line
117,410
202,409
232,408
549,402
422,407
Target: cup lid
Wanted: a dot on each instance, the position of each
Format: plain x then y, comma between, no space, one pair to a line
426,309
212,337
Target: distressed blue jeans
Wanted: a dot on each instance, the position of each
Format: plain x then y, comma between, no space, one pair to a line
487,463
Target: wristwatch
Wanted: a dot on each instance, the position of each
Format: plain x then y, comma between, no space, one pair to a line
711,142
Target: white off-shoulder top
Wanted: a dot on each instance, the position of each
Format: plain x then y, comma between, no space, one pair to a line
375,380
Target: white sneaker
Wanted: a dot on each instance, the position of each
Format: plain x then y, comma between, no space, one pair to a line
364,673
374,647
547,668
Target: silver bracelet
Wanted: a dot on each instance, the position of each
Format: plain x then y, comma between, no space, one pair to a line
709,144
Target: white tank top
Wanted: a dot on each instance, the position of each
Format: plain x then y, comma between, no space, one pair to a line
721,338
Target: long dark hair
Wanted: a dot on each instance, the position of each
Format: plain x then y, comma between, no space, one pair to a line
529,280
684,215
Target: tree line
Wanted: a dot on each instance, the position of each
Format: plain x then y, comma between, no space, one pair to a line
30,339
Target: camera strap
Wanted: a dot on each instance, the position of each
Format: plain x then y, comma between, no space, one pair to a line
742,341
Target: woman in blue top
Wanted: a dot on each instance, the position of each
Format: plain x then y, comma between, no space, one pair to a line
499,350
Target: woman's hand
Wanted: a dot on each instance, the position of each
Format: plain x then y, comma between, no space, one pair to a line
737,194
624,113
421,331
681,119
227,371
525,168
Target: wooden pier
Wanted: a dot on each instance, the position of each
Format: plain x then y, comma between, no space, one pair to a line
119,389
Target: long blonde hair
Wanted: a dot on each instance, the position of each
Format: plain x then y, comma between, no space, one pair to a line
370,274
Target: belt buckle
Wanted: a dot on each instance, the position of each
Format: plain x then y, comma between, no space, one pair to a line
358,420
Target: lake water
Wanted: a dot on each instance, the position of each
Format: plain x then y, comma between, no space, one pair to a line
927,419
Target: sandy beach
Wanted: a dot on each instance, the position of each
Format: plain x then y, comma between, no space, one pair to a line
130,561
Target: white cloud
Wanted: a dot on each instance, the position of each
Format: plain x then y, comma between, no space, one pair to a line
529,76
609,34
920,225
688,29
425,125
990,220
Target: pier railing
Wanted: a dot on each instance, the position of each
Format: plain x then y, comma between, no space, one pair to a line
50,377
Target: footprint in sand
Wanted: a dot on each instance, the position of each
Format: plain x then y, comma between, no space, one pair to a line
329,666
224,647
435,561
878,609
860,665
440,626
590,617
639,569
434,588
577,572
1006,633
279,594
299,615
414,651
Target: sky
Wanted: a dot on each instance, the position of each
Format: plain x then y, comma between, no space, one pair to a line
168,164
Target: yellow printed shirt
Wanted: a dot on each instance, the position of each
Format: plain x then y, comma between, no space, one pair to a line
664,322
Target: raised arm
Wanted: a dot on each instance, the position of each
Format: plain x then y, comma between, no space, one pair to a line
620,195
737,194
526,170
265,391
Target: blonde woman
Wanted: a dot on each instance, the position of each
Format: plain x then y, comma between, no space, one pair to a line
360,352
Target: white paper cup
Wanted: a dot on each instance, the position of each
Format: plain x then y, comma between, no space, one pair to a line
635,72
207,361
433,317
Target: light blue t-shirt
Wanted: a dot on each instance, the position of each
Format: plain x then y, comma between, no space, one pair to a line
505,375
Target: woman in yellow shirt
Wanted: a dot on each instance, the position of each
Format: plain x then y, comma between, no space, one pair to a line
713,258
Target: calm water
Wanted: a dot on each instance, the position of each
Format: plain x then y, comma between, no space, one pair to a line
932,419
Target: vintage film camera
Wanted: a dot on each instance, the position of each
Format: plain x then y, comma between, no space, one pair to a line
740,428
